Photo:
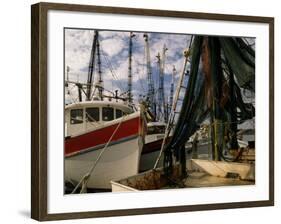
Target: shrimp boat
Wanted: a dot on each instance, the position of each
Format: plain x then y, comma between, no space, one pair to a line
93,125
153,141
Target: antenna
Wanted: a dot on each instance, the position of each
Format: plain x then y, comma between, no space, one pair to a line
67,76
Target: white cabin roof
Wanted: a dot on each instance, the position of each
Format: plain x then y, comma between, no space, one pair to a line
156,123
99,103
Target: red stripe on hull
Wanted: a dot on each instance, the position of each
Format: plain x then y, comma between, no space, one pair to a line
101,136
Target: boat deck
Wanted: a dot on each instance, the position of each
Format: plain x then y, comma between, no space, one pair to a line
218,174
200,179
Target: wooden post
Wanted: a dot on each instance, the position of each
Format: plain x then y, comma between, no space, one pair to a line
183,161
195,147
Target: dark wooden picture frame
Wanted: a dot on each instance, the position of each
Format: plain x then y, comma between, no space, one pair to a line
39,149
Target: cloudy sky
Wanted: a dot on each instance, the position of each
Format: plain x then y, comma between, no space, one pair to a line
114,59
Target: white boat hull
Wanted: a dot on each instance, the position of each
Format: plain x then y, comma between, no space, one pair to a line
118,161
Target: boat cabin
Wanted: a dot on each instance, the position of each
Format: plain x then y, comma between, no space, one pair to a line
156,128
155,131
83,116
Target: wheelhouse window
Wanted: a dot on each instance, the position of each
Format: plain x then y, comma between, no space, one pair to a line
107,114
76,116
92,114
118,113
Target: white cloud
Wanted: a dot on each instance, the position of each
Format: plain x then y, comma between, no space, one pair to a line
115,46
77,49
112,46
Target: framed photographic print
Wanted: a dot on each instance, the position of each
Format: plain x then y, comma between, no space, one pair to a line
138,111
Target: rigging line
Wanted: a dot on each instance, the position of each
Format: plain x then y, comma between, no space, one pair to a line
73,99
140,80
93,123
84,180
109,65
111,68
70,93
108,61
73,85
144,66
119,84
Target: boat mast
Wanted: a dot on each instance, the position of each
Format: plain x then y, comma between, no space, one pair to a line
100,82
91,67
161,94
80,87
150,94
130,68
159,104
172,89
165,106
67,74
